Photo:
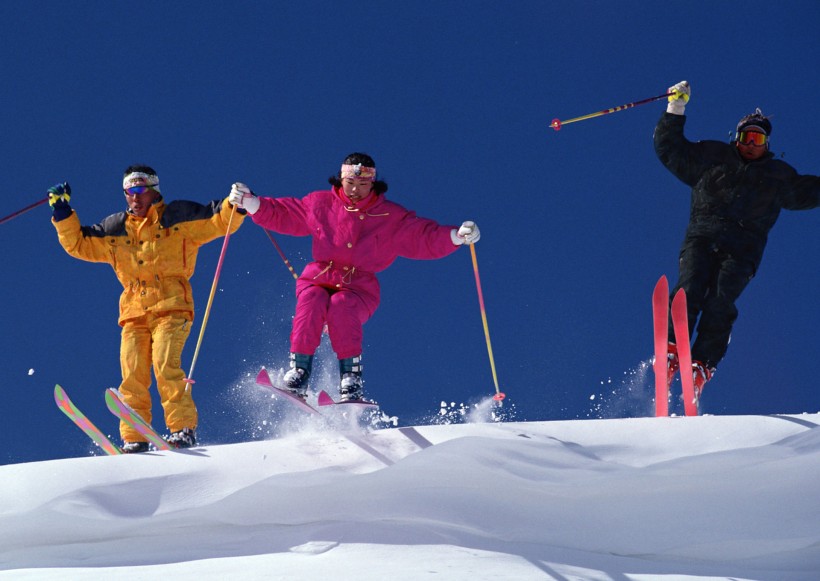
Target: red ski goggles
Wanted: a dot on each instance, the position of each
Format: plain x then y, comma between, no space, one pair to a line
752,138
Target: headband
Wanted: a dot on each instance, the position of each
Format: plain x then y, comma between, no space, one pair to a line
138,178
358,171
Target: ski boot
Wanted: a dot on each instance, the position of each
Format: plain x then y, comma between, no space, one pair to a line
672,364
134,447
296,379
701,374
184,438
351,387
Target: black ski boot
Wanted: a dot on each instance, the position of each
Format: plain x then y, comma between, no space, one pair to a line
296,379
134,447
351,386
185,438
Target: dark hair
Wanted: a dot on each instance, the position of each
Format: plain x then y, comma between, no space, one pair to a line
379,186
756,118
361,158
139,168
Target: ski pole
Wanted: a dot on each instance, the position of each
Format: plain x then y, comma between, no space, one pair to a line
189,380
557,123
499,395
282,254
23,211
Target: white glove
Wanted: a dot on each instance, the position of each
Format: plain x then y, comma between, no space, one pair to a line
241,196
678,101
468,233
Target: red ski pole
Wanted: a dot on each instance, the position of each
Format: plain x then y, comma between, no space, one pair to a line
282,254
23,211
557,123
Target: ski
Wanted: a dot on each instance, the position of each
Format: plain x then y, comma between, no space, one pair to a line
680,323
75,415
123,411
324,399
263,379
660,319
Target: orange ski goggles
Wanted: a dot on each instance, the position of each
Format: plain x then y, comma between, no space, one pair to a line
752,138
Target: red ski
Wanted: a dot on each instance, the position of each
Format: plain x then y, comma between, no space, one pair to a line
660,318
680,322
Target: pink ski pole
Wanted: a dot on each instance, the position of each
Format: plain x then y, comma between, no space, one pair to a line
499,395
189,380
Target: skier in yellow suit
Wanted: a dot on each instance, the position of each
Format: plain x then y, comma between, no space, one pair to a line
152,247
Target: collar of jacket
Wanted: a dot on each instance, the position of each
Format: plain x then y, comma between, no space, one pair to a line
153,215
765,157
362,206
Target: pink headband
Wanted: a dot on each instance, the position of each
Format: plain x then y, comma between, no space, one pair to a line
138,178
358,171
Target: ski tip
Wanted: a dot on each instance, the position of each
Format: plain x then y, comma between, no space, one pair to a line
324,398
262,378
59,394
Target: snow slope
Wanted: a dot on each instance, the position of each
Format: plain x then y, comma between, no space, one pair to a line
670,498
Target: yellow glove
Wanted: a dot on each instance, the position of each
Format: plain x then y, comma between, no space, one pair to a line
59,193
679,98
58,197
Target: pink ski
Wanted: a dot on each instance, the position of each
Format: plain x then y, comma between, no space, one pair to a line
325,399
119,408
660,318
263,379
82,422
680,322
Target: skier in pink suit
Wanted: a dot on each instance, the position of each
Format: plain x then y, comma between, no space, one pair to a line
356,233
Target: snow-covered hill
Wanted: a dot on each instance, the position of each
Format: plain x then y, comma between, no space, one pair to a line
704,497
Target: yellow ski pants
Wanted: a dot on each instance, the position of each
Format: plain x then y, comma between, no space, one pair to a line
156,340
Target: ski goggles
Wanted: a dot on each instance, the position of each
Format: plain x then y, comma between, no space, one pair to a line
139,190
752,138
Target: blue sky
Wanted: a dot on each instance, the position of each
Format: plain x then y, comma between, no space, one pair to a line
454,101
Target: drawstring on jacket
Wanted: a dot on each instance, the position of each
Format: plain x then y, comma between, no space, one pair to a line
346,278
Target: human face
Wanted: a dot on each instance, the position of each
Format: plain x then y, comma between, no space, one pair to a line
357,189
748,148
139,199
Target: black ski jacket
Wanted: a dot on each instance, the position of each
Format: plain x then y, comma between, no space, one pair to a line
735,202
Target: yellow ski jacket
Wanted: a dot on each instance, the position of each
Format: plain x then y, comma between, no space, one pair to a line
153,257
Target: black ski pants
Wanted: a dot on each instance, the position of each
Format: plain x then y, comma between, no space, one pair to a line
713,280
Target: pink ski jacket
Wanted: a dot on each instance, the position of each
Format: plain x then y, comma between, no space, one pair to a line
352,244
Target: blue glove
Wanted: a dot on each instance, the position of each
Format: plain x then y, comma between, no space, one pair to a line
58,198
